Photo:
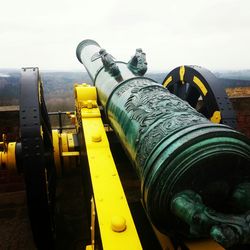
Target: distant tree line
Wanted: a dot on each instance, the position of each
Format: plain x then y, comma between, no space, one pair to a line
58,86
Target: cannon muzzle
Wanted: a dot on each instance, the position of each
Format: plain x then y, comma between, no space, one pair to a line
194,174
84,52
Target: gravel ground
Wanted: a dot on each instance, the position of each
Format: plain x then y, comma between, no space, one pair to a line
15,230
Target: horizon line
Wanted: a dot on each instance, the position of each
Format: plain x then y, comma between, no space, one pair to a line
149,71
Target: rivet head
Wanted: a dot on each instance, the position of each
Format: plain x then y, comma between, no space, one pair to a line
118,223
97,137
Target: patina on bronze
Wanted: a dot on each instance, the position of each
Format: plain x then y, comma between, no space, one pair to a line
192,171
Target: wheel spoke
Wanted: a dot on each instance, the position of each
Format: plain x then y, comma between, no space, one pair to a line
181,91
203,110
192,96
203,83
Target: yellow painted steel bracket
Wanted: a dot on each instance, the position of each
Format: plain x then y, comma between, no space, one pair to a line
116,224
8,157
65,155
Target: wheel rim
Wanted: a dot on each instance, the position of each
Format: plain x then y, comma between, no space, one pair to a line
203,91
37,159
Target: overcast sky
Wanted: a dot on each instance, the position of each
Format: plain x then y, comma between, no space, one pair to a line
45,33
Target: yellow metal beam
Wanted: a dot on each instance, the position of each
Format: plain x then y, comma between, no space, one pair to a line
116,224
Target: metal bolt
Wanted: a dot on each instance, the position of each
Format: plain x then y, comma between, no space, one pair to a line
118,223
97,137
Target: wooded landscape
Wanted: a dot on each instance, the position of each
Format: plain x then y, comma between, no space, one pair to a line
58,85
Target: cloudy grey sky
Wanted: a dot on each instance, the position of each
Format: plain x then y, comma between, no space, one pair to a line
211,33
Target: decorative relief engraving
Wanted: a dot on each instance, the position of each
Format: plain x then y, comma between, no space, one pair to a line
158,113
138,82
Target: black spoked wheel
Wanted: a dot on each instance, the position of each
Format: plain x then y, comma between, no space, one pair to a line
203,91
37,159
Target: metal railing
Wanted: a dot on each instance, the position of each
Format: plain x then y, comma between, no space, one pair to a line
60,115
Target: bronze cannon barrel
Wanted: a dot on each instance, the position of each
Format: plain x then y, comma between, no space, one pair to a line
194,174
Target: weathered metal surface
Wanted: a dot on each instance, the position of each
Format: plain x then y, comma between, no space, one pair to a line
226,229
172,147
38,169
138,63
193,83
